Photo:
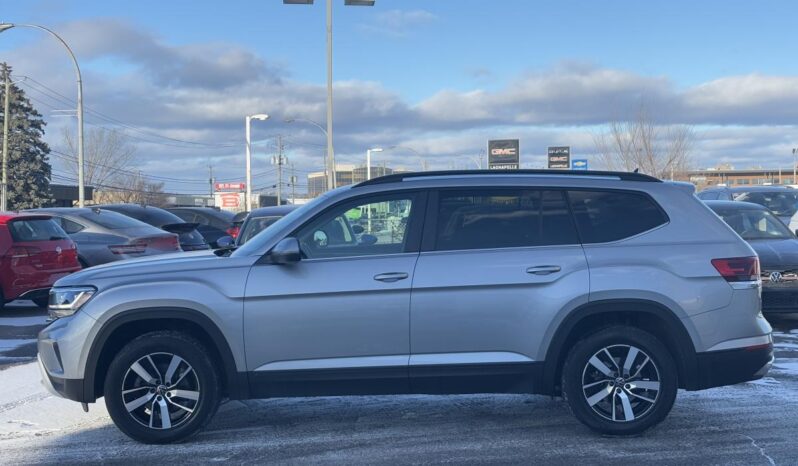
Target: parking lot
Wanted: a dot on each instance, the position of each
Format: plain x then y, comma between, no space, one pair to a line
751,423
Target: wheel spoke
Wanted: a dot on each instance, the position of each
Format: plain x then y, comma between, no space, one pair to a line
629,392
645,385
600,395
136,367
628,414
606,351
179,406
170,371
630,359
138,402
155,367
596,362
166,421
637,372
595,383
179,379
187,394
125,392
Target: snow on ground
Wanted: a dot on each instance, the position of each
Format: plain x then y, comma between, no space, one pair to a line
8,345
23,321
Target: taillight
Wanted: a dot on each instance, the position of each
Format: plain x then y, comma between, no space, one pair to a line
233,232
139,247
738,269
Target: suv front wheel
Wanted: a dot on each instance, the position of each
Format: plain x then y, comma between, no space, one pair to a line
162,387
620,381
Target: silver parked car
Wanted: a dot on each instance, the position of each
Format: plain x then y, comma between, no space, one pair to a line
612,289
104,236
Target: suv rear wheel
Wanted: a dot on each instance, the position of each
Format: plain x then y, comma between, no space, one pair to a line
162,387
620,381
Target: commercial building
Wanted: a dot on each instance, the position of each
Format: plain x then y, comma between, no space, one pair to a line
734,177
346,174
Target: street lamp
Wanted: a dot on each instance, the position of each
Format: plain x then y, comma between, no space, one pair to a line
368,160
330,179
81,190
329,132
249,118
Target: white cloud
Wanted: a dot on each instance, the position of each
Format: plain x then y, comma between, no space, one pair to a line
398,22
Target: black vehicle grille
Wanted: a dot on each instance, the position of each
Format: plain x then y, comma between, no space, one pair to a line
779,300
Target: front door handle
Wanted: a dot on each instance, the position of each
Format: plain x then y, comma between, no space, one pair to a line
543,269
390,277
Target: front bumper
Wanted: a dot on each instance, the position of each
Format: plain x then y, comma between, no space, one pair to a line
71,389
780,298
729,367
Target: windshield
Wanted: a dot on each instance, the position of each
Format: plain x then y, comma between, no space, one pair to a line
258,241
755,224
255,226
781,203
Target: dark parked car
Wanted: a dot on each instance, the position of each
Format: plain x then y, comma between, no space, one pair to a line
34,253
776,246
190,239
235,227
105,236
259,219
781,200
213,224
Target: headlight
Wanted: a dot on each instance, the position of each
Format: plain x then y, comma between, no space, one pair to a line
68,300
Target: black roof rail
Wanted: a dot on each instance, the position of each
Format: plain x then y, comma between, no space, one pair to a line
624,176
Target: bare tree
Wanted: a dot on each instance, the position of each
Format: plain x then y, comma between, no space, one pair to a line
107,155
640,144
133,189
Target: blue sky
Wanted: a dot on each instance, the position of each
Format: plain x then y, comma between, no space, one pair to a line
440,75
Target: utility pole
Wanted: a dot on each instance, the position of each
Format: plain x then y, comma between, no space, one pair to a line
293,185
6,117
279,169
794,163
210,180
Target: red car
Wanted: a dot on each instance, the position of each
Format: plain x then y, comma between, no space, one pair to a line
34,253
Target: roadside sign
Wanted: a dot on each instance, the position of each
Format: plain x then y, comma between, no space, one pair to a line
504,154
230,187
579,164
560,157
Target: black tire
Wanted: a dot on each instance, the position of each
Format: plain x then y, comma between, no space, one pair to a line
159,347
41,302
620,406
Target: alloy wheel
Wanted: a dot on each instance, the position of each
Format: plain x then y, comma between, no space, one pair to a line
160,391
621,383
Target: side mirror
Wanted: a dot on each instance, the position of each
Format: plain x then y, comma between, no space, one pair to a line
225,242
286,252
358,229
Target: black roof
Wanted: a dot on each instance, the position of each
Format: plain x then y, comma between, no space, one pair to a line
273,210
734,205
624,176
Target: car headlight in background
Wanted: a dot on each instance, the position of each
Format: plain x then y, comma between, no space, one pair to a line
68,300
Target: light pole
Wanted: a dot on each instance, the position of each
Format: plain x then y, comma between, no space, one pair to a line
330,154
368,160
81,188
330,179
794,162
249,118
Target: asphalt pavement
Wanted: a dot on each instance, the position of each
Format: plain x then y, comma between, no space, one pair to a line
747,424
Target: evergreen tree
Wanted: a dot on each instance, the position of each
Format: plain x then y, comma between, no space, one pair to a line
28,168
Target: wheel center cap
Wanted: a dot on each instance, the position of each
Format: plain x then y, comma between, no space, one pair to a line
619,381
161,390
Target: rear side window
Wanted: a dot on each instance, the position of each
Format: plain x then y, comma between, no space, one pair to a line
708,196
604,216
71,227
24,231
502,218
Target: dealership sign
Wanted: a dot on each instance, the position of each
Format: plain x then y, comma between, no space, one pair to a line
560,157
230,187
504,154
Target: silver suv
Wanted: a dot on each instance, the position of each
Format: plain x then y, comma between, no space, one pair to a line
610,289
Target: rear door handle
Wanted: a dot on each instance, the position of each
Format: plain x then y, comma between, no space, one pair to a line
390,277
543,269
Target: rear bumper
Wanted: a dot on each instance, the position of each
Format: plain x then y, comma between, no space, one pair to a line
728,367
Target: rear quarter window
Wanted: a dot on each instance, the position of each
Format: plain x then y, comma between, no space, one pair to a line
25,231
604,216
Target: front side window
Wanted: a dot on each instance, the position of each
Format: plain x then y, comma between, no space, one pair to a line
502,218
604,216
359,229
